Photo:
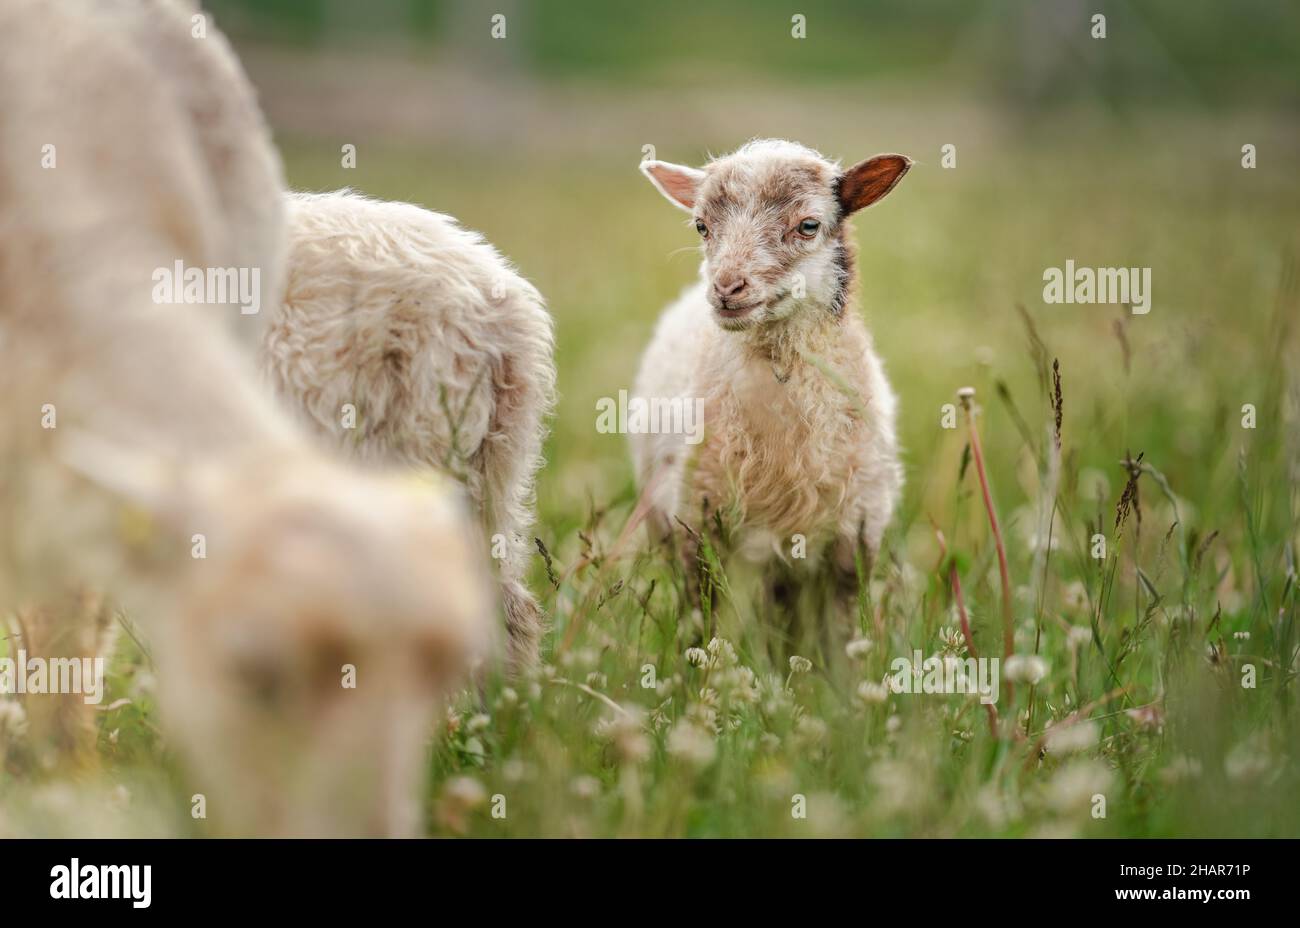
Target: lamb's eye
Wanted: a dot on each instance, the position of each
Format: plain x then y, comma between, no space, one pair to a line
701,228
809,227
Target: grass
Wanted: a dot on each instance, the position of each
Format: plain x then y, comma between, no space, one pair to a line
629,730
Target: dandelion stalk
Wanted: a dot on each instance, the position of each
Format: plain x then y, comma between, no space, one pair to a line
967,397
955,582
1053,477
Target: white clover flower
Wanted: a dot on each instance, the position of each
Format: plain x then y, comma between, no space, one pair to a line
722,652
1181,768
691,743
1078,636
508,696
465,792
800,664
893,724
870,692
477,723
1077,736
1241,636
811,730
585,787
545,672
900,785
1247,762
1150,718
697,657
741,685
516,770
1075,595
1072,787
1024,668
625,729
858,648
952,641
996,808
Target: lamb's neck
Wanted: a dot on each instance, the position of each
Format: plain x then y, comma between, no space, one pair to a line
810,331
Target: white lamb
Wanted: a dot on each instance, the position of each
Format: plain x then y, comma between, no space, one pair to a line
407,340
135,437
799,452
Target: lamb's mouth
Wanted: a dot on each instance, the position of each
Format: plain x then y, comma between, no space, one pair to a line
740,312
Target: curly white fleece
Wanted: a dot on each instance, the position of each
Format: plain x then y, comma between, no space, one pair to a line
408,340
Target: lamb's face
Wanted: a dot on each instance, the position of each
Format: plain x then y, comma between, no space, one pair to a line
305,674
771,217
771,233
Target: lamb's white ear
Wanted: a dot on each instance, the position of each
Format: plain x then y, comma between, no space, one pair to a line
677,182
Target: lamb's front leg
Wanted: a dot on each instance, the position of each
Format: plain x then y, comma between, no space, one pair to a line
701,585
851,559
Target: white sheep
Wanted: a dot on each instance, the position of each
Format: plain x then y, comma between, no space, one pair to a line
139,452
799,453
407,340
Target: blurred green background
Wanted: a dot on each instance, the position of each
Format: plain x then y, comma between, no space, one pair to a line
1117,151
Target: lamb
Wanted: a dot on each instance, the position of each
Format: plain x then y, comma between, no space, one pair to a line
404,339
800,452
306,618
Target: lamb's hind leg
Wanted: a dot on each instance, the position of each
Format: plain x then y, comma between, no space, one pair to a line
523,385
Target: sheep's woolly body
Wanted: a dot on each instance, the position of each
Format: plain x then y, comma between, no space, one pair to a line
799,435
408,340
807,456
157,432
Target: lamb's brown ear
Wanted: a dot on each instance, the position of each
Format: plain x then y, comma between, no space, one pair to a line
677,182
868,181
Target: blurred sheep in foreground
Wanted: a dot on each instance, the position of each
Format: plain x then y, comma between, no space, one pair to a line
139,453
407,340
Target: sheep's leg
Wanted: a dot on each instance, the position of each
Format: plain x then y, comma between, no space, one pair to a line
507,462
524,625
847,552
78,626
701,589
782,586
693,572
